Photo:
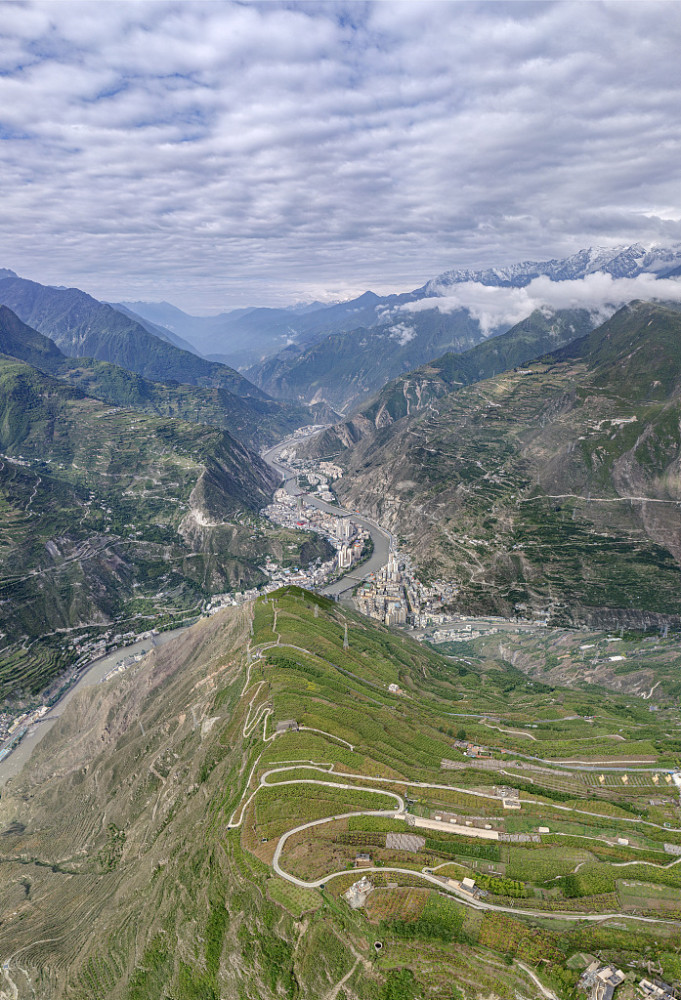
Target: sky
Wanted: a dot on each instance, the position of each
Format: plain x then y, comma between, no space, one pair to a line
226,154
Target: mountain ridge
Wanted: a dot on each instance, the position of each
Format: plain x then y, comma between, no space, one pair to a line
84,327
620,262
201,850
468,484
256,421
116,520
419,388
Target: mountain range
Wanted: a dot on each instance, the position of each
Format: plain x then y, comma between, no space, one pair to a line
254,420
348,367
345,369
465,479
418,389
343,353
619,262
243,337
551,489
83,327
289,800
116,509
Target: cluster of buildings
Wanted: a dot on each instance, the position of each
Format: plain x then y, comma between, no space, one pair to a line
600,982
383,596
123,665
86,647
13,731
319,478
395,597
313,476
313,577
460,633
348,538
655,991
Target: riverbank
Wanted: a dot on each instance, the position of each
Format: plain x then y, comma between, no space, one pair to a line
381,538
92,674
97,670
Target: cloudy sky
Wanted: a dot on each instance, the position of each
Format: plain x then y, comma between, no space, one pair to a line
224,154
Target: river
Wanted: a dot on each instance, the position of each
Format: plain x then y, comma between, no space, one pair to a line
383,540
91,675
97,670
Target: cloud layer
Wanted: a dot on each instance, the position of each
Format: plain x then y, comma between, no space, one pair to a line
600,293
216,154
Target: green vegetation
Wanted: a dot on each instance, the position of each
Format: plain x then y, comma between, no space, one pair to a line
441,919
515,479
463,364
200,904
87,328
111,516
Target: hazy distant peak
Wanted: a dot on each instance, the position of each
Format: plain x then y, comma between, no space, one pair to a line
6,273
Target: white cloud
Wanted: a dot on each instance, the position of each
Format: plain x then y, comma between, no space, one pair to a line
496,307
224,153
402,333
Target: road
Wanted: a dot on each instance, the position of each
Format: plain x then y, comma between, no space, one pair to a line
89,676
93,673
442,885
383,540
328,768
397,813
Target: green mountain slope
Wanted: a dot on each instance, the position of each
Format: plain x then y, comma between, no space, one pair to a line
158,331
113,521
21,341
254,420
418,389
345,369
139,844
554,488
83,327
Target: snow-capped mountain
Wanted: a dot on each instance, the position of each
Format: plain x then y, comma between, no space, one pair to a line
620,262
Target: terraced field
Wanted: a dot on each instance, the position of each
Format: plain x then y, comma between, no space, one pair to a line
191,839
596,829
116,522
551,487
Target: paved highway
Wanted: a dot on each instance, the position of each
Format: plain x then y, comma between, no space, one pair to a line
383,540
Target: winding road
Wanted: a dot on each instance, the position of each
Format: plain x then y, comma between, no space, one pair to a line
426,875
398,813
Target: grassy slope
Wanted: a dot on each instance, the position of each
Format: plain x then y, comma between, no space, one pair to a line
469,484
255,420
97,519
84,327
121,824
